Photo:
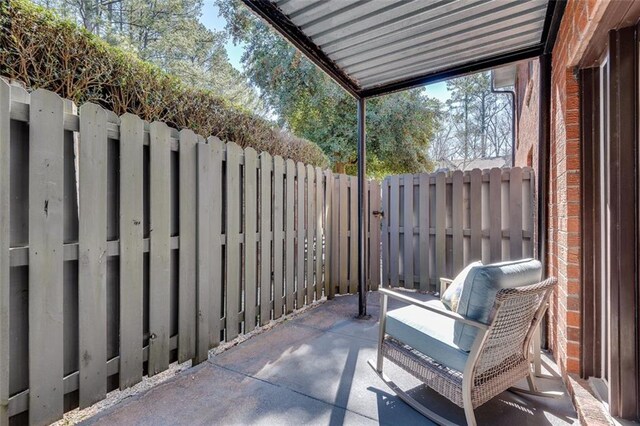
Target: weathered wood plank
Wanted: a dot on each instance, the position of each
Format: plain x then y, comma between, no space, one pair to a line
343,249
187,254
300,242
131,249
353,234
457,206
374,235
475,218
423,226
290,232
160,251
495,214
204,250
441,212
385,233
407,251
232,233
394,230
515,213
5,168
329,232
250,238
319,209
92,254
311,226
215,215
335,234
266,166
278,235
46,160
528,207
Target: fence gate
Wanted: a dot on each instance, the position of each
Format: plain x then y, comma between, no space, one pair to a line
434,224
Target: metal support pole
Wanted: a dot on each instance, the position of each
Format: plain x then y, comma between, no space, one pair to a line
543,167
362,209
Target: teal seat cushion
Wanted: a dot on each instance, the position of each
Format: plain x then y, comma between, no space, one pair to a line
480,288
428,332
451,296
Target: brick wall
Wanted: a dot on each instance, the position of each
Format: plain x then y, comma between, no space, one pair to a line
527,94
563,222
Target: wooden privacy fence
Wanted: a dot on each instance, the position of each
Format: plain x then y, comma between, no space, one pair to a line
435,224
127,245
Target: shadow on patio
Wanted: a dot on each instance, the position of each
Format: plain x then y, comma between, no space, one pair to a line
313,369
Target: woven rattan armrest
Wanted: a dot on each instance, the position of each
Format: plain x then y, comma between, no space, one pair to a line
449,314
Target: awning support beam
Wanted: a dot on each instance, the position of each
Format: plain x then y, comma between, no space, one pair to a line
362,209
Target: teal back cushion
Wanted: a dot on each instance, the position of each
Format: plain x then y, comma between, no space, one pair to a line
480,288
451,297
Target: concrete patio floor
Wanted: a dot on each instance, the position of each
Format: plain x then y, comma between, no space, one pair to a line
313,369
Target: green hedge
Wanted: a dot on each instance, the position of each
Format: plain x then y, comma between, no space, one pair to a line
42,50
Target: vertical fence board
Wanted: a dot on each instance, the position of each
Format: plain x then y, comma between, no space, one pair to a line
5,168
441,217
160,251
265,237
343,248
250,240
394,231
45,258
515,213
457,204
310,231
385,233
204,252
131,250
278,235
300,248
92,255
329,259
374,235
353,234
336,240
407,253
233,254
423,226
215,215
495,211
475,217
530,191
187,254
319,209
290,233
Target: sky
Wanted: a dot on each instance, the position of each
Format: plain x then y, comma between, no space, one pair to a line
212,21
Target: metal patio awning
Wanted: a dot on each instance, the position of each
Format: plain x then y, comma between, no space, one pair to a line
373,47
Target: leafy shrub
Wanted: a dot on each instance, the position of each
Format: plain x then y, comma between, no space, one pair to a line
42,50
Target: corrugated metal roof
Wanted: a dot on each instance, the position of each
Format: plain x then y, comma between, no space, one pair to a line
376,43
